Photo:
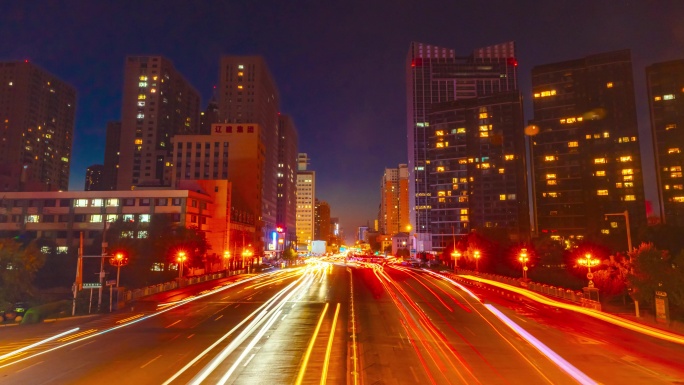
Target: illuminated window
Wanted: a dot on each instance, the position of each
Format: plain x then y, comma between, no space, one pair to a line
463,180
588,136
600,173
572,144
502,197
627,171
509,157
549,158
678,199
544,94
462,161
606,135
609,85
501,171
461,130
668,97
144,217
241,67
658,98
627,158
240,87
464,211
80,203
96,203
112,217
440,145
483,115
618,184
670,127
551,182
629,184
605,231
673,150
141,115
440,168
441,193
550,176
678,187
143,78
138,141
464,218
441,200
630,197
599,160
32,219
553,194
628,177
142,84
676,168
240,73
602,192
485,128
676,175
141,104
142,97
96,218
439,133
484,134
485,165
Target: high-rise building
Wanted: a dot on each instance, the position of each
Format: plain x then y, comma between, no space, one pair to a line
322,221
247,93
477,168
286,215
232,152
394,206
93,178
666,102
585,148
435,75
306,203
209,116
111,156
37,112
158,103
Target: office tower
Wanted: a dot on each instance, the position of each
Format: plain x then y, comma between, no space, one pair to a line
93,178
306,196
286,215
585,148
232,152
394,202
435,75
37,112
322,221
666,102
247,93
157,104
477,168
111,156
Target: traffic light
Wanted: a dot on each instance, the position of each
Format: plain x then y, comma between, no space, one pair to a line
119,259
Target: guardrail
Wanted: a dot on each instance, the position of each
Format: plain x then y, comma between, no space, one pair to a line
133,294
552,291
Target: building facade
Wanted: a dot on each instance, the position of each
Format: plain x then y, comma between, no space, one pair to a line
322,221
477,168
286,215
585,148
248,94
665,83
434,75
394,206
37,112
306,203
157,104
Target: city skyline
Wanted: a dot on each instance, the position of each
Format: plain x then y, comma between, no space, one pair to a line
339,71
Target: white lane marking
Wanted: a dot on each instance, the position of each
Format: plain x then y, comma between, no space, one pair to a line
166,327
150,361
39,362
87,343
250,359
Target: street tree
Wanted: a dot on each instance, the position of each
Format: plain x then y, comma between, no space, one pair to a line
18,266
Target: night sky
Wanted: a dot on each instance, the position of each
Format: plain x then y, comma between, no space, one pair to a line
339,66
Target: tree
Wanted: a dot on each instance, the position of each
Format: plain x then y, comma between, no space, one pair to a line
18,267
289,255
655,270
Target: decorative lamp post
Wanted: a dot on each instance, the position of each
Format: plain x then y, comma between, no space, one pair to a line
523,258
477,255
455,255
587,261
226,259
182,257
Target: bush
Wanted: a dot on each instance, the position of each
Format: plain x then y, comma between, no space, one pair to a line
39,313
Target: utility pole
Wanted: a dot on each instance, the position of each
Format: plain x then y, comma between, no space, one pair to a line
102,274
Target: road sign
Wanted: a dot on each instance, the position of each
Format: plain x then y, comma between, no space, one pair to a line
91,285
111,282
524,268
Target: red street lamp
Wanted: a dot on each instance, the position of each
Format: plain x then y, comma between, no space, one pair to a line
476,255
455,255
523,258
588,262
181,260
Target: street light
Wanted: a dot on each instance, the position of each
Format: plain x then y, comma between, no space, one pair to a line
226,259
588,262
181,260
455,255
476,255
120,260
247,253
523,258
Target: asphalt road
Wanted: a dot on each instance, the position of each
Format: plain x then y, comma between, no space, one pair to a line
338,324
